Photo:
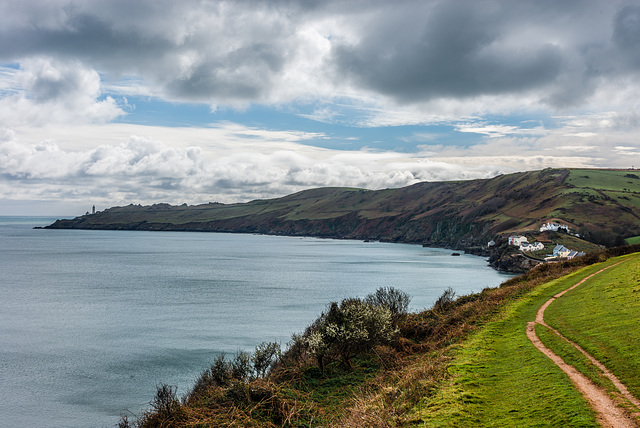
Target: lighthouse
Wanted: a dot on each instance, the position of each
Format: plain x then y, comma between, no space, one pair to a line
93,210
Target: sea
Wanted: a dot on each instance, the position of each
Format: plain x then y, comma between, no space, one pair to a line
91,322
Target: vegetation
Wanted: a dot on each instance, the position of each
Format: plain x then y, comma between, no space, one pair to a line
601,204
406,369
602,316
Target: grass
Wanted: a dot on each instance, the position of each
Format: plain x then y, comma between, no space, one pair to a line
465,362
603,317
633,240
618,181
498,378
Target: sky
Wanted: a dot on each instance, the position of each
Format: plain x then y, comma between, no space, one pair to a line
114,102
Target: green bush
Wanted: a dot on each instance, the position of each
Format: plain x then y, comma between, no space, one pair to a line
347,329
265,355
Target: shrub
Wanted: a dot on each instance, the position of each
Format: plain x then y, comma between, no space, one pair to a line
388,297
445,300
241,368
265,355
348,329
167,410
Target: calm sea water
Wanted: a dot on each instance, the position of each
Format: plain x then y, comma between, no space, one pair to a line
92,321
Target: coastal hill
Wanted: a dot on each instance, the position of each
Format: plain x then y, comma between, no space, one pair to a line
602,205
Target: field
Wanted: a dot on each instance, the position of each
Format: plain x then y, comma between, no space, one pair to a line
603,316
500,379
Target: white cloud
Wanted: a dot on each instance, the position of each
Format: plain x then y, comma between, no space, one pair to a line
47,91
69,67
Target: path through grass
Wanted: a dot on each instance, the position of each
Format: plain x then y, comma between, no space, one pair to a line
500,379
603,317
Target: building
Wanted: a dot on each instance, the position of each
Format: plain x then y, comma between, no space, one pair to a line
537,246
561,251
517,240
573,254
554,227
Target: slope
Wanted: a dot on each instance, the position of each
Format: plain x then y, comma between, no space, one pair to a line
461,214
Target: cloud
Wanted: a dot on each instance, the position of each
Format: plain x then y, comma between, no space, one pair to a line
476,71
144,170
46,91
238,53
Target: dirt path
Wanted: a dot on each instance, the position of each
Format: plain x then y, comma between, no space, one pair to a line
609,415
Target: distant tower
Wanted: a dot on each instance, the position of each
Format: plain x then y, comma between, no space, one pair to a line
93,210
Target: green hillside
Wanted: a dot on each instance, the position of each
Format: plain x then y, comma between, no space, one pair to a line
602,205
464,362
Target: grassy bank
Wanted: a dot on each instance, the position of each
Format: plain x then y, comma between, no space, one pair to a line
465,362
500,379
603,317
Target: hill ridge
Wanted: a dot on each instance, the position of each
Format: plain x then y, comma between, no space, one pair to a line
463,215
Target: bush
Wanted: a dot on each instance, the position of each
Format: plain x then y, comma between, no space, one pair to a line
388,297
167,410
445,300
348,329
265,355
241,368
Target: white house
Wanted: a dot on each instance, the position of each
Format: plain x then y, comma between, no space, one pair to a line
561,251
537,246
517,240
554,227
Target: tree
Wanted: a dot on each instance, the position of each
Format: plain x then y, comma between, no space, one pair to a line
348,329
396,301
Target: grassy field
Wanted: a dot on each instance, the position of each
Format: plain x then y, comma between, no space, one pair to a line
634,240
603,317
500,379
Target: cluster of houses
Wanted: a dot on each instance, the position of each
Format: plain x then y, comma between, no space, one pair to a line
554,227
560,251
524,244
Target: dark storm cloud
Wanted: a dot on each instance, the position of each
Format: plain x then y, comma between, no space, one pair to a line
626,34
454,52
272,52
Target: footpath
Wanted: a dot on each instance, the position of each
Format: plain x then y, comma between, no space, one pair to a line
609,415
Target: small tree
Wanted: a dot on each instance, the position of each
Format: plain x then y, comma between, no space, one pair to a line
264,356
166,406
241,368
396,301
445,300
348,329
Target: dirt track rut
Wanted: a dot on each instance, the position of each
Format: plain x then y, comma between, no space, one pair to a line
609,415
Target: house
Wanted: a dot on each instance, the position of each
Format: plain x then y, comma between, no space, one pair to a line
561,251
573,254
554,227
517,240
525,246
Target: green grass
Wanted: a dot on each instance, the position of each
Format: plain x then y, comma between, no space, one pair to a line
634,240
618,181
498,378
603,317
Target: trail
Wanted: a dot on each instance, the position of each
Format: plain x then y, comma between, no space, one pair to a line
609,415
